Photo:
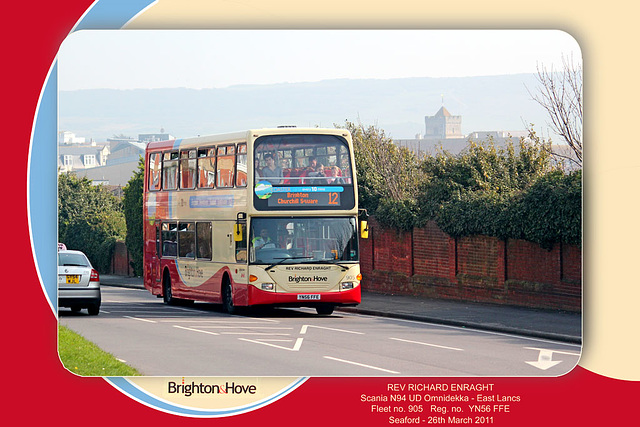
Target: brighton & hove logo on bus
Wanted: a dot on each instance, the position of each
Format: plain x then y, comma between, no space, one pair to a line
264,189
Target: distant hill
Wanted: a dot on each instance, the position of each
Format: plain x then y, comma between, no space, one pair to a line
397,106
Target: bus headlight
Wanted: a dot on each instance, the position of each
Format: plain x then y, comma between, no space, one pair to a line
268,286
347,285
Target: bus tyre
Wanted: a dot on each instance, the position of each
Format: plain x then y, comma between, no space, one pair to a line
167,295
227,298
325,310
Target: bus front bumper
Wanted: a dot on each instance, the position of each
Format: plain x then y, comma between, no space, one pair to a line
308,299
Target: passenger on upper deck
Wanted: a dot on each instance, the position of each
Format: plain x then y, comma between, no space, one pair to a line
271,172
334,175
315,171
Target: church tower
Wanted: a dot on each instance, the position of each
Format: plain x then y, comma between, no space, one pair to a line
443,125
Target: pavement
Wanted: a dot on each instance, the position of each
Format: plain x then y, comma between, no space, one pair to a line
547,324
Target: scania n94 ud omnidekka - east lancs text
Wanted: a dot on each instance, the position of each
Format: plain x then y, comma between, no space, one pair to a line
262,217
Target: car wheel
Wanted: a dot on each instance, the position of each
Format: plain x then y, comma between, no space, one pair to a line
76,309
94,309
325,309
227,298
167,295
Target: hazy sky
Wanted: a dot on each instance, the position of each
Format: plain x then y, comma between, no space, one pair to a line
127,59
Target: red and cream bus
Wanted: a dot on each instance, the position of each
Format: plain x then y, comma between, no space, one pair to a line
262,217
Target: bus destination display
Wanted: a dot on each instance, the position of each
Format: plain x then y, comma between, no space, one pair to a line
297,198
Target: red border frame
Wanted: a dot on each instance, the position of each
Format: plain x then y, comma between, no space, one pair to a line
38,388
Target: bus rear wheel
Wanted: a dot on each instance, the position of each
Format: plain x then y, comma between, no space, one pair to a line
167,295
227,298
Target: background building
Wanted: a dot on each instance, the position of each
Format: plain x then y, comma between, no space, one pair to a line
79,157
443,132
443,125
110,163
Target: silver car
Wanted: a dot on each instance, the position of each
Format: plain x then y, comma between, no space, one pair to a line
78,282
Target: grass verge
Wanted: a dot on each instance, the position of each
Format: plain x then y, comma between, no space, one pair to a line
85,358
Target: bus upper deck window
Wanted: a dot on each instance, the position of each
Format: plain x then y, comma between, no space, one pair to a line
188,169
226,164
170,171
241,166
206,168
155,171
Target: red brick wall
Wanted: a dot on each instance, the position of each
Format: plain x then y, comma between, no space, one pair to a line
529,262
428,262
478,257
393,252
431,251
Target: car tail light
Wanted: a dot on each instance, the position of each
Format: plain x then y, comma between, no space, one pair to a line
95,277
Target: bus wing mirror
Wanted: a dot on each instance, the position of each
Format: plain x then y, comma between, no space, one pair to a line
237,233
237,228
364,230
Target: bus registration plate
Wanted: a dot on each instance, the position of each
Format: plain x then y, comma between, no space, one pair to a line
308,297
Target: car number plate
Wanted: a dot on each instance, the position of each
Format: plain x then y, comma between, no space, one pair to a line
307,297
73,279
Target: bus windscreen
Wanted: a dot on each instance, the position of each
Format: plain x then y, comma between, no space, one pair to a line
303,240
302,172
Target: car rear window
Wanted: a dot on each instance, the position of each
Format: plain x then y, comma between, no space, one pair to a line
68,260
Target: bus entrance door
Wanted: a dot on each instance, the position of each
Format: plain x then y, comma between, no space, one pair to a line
155,261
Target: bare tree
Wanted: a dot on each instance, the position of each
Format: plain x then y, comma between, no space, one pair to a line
560,93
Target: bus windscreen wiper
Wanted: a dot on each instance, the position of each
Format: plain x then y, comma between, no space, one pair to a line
327,261
283,259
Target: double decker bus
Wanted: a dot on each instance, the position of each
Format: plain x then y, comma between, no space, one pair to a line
262,217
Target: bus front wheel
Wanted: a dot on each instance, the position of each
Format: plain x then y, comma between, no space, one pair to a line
325,310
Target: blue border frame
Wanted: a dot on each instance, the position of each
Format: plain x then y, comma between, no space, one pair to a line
42,199
131,390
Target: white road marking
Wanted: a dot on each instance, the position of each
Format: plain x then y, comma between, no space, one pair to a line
361,364
305,327
180,308
263,320
427,344
156,313
196,330
140,319
208,321
468,329
244,327
162,309
545,358
553,351
296,346
252,333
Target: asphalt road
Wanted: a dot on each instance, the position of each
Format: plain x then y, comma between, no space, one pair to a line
201,340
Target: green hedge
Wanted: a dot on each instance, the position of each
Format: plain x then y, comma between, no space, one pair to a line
551,210
507,192
548,212
398,214
90,219
132,207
